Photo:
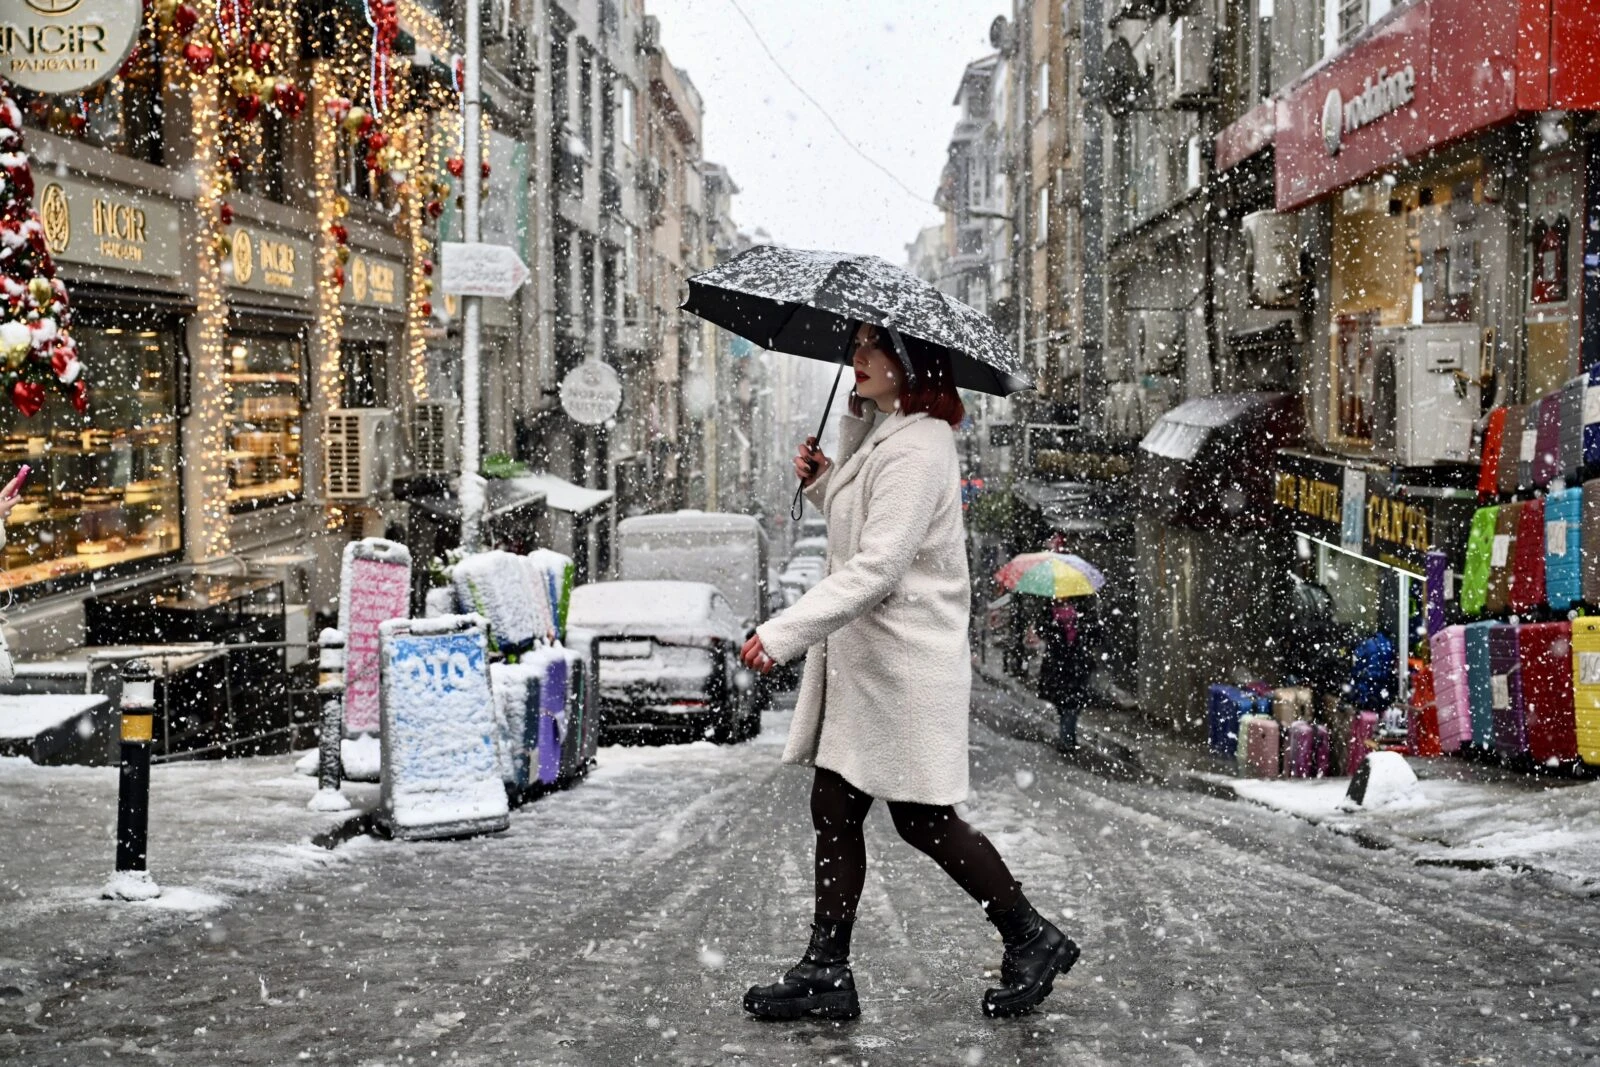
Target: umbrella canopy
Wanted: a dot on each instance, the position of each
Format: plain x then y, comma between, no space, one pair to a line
1052,574
803,303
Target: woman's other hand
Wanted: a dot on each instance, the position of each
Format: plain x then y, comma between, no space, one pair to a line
754,655
10,495
809,462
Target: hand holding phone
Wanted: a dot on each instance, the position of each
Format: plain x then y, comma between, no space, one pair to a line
13,488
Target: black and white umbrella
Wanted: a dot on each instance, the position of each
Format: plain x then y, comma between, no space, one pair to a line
804,303
807,303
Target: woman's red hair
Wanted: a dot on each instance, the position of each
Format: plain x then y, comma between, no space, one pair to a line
935,388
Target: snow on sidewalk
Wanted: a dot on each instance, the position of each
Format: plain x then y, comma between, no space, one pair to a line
218,829
1553,830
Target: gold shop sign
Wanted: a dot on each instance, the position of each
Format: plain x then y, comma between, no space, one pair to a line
375,282
105,227
66,46
267,262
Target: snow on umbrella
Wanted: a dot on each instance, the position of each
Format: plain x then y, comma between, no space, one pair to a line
1052,574
804,303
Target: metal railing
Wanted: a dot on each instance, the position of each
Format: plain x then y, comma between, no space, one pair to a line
201,652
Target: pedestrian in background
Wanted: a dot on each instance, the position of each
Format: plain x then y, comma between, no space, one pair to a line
885,696
1064,672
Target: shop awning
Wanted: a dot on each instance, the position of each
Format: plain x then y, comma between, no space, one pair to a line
562,495
501,497
1208,462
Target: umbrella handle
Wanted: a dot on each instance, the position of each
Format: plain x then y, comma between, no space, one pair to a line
795,506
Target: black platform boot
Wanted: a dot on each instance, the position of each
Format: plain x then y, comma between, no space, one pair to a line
821,983
1036,952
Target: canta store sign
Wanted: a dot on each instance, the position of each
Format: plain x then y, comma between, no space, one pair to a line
65,46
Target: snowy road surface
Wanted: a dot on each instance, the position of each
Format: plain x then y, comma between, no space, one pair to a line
620,923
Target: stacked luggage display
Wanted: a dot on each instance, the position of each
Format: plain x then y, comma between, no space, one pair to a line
543,676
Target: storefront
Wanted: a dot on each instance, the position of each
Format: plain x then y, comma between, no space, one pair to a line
1364,539
267,367
1209,560
104,498
1441,148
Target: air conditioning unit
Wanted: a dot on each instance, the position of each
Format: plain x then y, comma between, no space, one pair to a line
436,437
1194,41
1156,341
1425,393
1272,258
357,453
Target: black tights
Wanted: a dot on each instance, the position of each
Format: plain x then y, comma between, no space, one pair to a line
838,810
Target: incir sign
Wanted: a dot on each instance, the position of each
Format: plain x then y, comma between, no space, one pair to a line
66,46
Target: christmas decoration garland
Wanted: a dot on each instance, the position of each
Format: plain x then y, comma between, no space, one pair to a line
35,342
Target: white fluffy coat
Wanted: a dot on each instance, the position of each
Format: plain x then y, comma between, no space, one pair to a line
888,676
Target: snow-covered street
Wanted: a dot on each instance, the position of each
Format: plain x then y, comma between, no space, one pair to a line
620,922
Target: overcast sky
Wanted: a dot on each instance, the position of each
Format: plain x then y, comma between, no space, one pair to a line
885,70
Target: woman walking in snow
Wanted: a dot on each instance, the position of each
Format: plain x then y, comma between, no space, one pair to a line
883,705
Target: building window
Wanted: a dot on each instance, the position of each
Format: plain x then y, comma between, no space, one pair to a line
1042,103
364,372
625,115
1042,219
1403,254
1192,169
105,486
123,114
266,378
1352,20
1261,42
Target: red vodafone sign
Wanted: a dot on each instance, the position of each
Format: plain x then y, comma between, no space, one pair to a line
1434,72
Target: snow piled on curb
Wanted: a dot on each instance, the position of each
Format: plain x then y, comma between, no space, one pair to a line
1553,831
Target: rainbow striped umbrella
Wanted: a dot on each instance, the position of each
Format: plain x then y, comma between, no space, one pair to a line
1051,574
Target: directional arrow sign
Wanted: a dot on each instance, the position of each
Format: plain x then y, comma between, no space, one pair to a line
481,270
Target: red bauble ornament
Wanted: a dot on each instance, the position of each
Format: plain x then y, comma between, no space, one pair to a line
27,396
456,166
199,56
235,162
185,19
225,214
486,169
435,209
337,108
426,309
367,123
247,107
260,55
338,277
290,99
372,163
377,141
427,268
80,396
339,233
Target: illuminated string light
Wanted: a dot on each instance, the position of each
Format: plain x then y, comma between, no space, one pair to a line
208,443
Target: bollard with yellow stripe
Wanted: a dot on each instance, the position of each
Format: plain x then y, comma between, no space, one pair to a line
132,880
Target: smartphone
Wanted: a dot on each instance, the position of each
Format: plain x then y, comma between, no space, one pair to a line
21,479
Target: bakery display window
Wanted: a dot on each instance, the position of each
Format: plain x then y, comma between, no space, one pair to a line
105,486
267,381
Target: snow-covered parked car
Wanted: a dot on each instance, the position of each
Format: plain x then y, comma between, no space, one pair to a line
668,655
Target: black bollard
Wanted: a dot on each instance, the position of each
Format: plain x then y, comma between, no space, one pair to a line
132,880
330,687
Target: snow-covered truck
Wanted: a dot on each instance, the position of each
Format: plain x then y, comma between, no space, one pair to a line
720,548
